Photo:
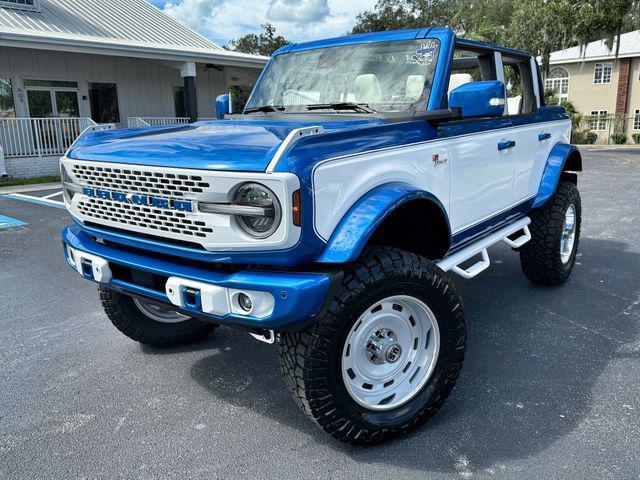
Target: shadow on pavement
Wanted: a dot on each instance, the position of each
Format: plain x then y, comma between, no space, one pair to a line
534,355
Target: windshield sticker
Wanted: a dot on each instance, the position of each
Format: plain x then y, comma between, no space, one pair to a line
425,55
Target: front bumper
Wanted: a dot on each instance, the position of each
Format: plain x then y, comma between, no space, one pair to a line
288,299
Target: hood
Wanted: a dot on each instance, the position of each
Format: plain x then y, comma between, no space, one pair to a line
239,145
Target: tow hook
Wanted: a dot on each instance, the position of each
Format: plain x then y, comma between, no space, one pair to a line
266,336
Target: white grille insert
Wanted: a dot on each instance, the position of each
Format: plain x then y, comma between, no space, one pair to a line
160,220
139,180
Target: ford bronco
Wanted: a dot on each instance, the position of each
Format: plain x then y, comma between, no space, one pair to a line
325,216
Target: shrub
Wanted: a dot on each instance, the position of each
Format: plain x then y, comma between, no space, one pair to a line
619,138
582,136
636,137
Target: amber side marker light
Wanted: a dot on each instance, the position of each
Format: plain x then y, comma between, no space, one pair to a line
296,208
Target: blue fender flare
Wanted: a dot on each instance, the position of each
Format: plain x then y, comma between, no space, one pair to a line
558,157
358,225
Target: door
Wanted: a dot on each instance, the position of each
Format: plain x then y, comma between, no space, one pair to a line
51,102
481,153
482,168
54,103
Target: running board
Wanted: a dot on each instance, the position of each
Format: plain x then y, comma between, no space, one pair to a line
453,262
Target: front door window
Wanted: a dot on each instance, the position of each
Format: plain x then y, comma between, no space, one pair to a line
40,104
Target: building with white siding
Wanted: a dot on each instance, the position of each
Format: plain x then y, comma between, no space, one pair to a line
65,64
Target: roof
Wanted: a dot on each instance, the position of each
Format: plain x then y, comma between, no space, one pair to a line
394,35
114,27
598,50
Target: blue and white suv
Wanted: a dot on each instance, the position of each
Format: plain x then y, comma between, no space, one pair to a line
325,216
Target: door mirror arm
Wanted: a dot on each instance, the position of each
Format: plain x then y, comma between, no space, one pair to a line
439,116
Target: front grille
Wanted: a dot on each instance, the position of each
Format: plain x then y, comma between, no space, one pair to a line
140,181
141,216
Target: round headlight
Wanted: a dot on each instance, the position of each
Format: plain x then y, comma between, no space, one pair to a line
268,214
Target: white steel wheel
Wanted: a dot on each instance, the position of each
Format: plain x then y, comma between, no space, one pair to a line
390,352
568,234
159,312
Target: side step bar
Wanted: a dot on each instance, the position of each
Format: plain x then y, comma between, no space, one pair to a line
480,247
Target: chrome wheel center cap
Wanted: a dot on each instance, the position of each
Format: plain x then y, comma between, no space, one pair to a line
382,347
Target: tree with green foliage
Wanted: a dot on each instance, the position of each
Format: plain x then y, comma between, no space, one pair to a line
264,43
537,26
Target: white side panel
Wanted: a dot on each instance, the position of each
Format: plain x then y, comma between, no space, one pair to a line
339,183
481,176
476,182
532,154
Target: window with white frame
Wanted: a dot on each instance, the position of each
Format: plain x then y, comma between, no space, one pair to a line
636,120
32,5
558,81
602,72
598,120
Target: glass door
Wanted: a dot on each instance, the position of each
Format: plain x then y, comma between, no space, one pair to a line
55,107
40,103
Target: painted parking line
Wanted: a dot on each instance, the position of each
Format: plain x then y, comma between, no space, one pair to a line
8,222
57,194
38,200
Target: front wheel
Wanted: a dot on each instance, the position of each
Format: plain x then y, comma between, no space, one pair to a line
151,323
387,353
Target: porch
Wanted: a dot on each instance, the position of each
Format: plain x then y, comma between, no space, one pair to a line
30,147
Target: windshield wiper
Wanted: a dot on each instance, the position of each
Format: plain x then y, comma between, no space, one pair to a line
357,107
265,108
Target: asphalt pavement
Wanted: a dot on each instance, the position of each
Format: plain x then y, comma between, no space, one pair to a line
549,389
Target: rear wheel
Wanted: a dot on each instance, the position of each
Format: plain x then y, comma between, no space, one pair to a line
386,354
151,323
549,257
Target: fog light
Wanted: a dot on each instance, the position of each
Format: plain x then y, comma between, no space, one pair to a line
245,302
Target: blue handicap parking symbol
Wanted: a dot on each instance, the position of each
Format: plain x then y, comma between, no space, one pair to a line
8,222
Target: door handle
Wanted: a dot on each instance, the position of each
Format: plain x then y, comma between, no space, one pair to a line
506,144
543,136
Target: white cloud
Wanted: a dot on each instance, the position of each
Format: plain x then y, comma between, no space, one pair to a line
194,13
296,20
298,11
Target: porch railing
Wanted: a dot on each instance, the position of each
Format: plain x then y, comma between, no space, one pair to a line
134,122
40,137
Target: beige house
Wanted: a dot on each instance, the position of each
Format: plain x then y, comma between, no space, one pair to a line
602,87
69,64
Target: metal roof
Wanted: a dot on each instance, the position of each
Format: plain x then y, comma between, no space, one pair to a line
120,27
598,50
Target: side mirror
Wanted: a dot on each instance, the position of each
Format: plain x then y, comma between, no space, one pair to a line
223,105
479,99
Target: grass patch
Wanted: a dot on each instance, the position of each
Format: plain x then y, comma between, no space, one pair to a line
29,181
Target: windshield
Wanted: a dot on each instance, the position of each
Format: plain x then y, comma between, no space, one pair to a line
386,77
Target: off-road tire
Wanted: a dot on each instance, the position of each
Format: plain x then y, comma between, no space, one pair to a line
540,257
127,318
311,359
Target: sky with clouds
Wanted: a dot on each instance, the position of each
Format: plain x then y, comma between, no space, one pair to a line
296,20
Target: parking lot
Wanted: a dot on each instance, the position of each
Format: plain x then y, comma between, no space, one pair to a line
549,388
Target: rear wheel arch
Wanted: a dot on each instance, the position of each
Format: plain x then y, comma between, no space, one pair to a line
573,162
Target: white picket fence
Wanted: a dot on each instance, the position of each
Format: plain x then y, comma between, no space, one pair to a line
44,137
40,137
